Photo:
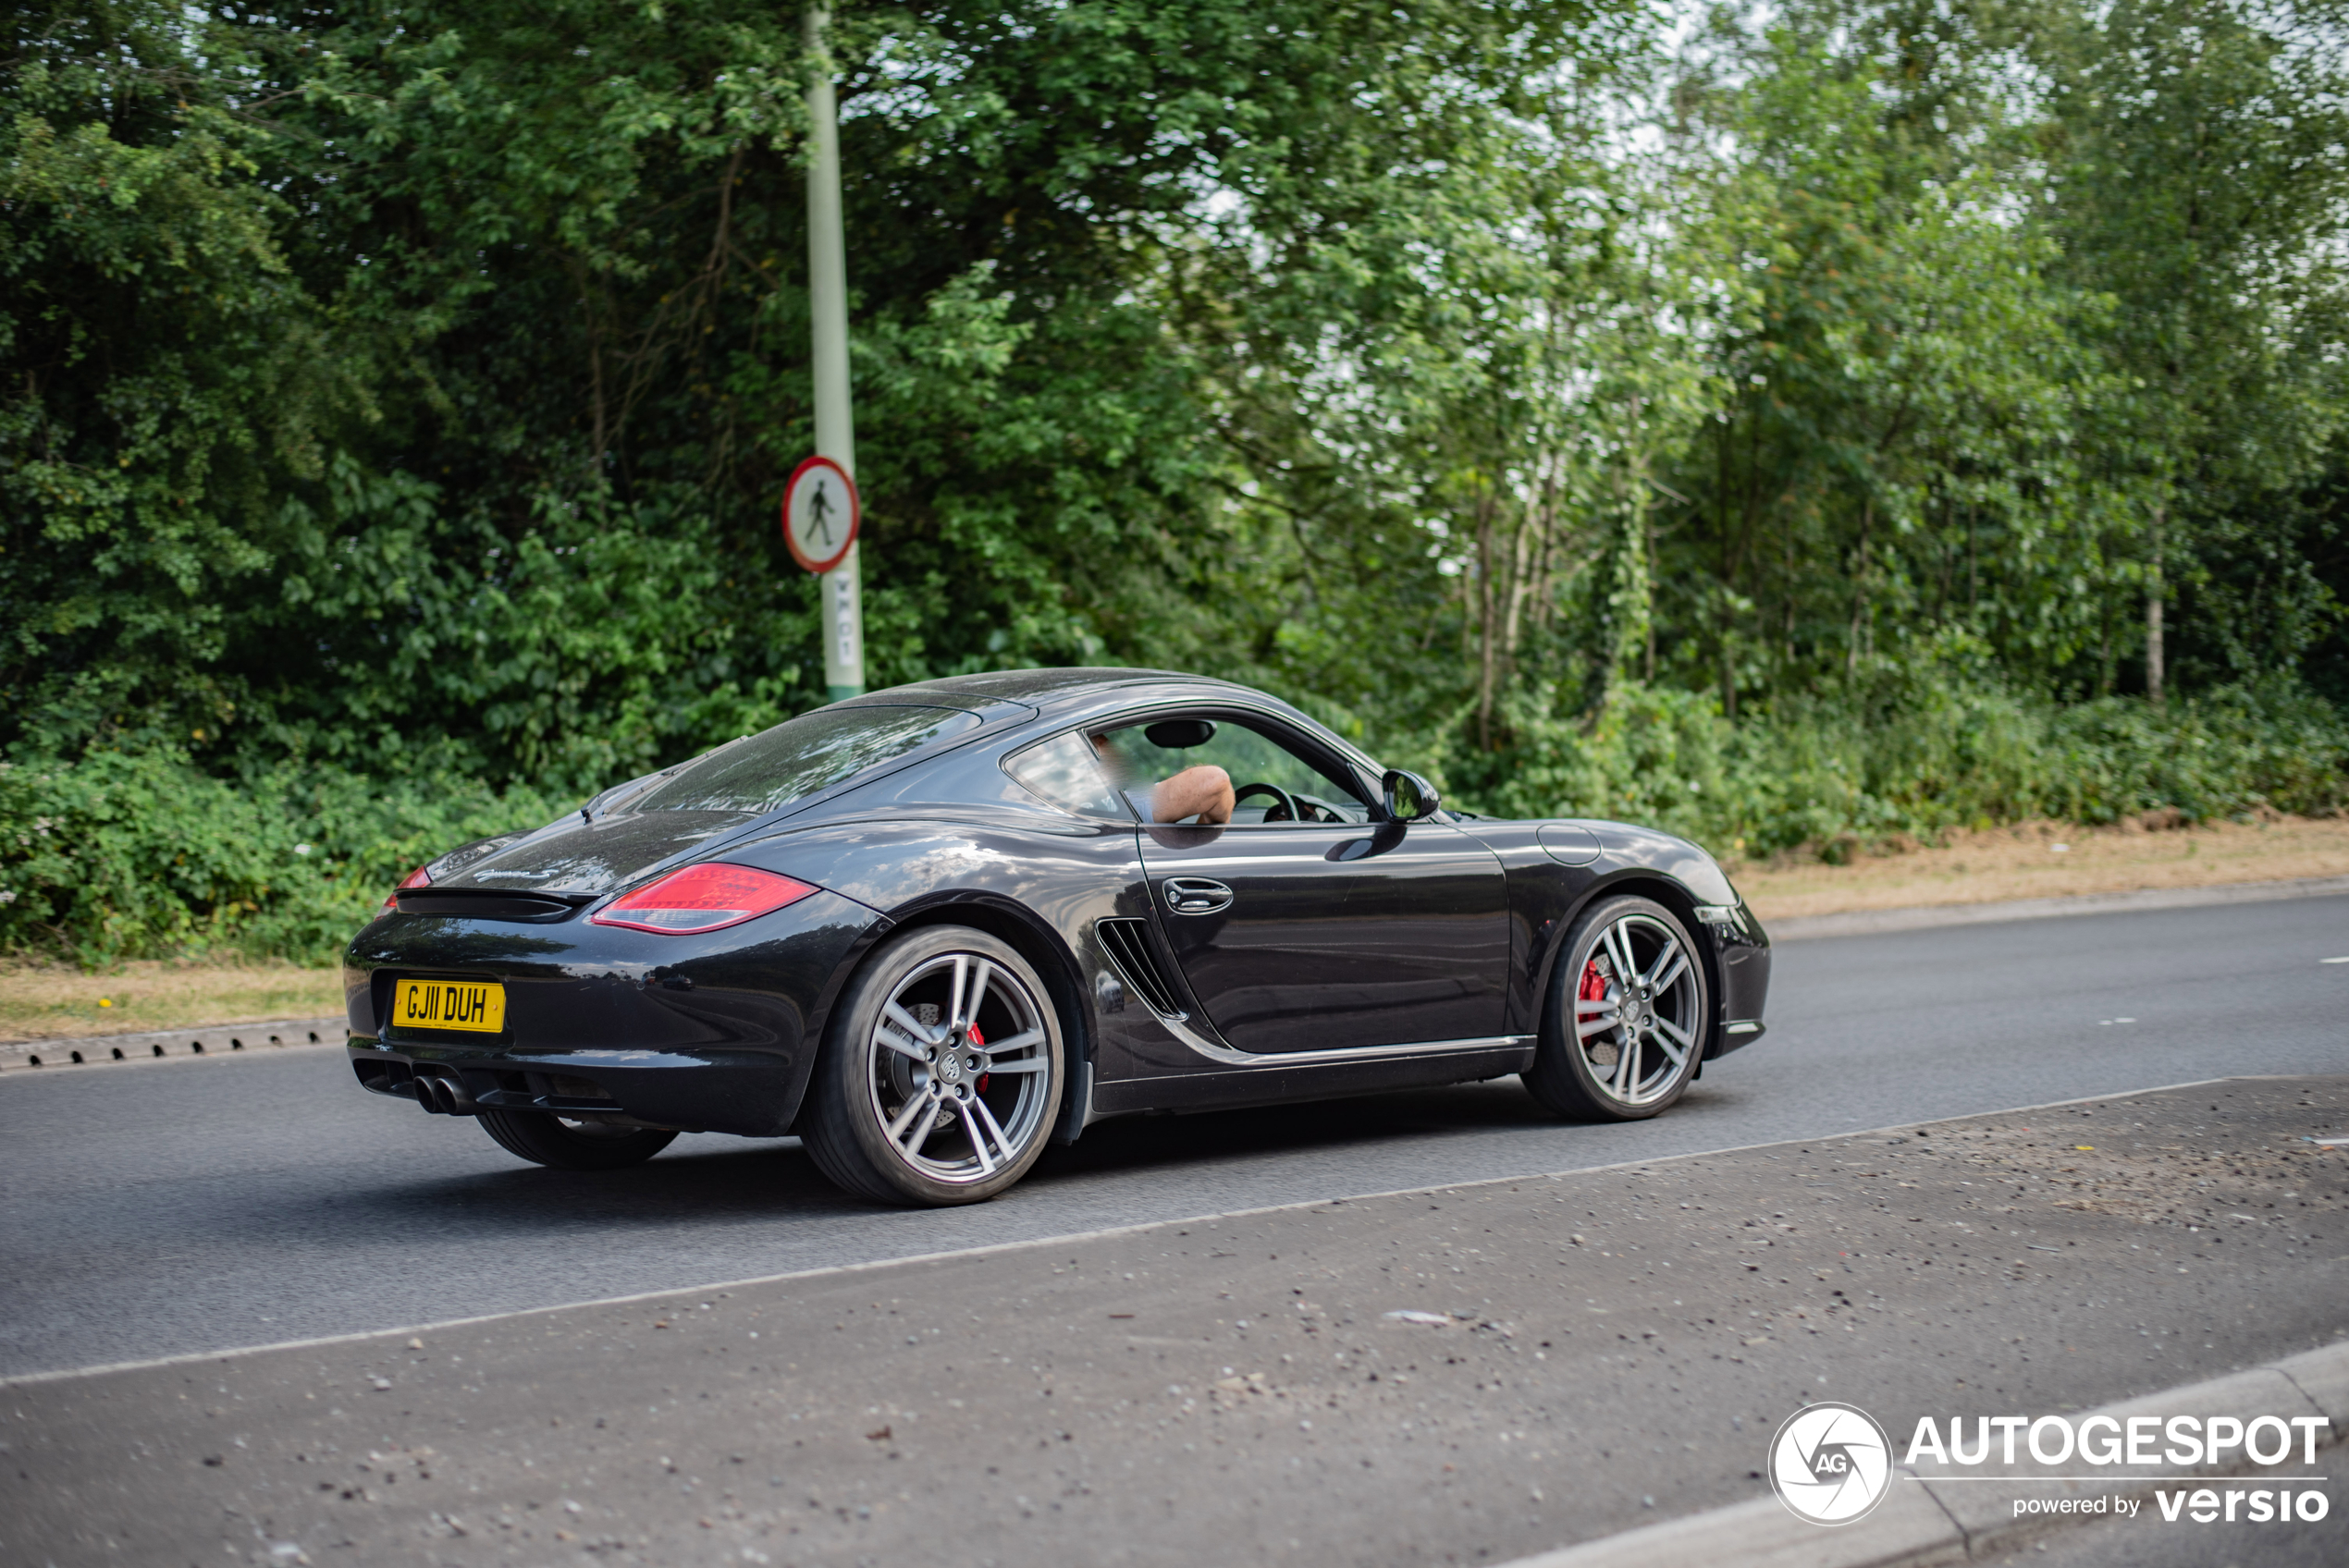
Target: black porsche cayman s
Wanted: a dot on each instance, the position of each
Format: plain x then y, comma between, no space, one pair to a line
931,929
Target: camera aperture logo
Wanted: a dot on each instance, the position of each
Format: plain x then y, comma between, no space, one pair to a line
1830,1463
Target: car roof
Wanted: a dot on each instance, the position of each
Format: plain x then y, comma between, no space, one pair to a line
1080,692
1026,687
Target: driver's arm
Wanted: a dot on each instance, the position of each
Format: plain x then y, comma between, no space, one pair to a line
1204,791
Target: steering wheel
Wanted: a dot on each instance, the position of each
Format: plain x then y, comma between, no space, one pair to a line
1312,810
1283,801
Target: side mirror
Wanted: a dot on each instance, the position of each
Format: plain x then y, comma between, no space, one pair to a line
1408,797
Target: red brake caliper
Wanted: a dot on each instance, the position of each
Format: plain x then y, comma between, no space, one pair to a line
979,1039
1591,989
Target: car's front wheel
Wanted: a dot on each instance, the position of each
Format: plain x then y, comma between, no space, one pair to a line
940,1073
1626,1025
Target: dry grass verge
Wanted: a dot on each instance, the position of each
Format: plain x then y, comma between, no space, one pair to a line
53,1001
2040,860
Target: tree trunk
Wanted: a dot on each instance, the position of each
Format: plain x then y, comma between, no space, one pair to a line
1647,565
2154,670
1859,593
1488,670
1523,564
2104,651
1630,596
1972,566
1635,588
1786,576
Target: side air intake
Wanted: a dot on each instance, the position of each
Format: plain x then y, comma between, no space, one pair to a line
1127,942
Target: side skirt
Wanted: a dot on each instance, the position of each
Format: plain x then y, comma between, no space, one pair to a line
1308,1076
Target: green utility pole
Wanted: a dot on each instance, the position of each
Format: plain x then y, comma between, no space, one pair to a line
827,310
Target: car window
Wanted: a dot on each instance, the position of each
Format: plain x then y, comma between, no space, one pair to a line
1138,755
801,756
1067,772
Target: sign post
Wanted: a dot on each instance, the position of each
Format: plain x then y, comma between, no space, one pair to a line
835,429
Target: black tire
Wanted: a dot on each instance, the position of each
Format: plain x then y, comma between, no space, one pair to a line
1592,1042
906,1107
548,1140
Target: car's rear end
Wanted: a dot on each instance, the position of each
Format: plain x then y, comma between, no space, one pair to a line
473,999
613,969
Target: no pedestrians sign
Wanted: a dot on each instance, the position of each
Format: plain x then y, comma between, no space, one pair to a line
820,513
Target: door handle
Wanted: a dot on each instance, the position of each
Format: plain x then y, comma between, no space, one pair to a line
1197,895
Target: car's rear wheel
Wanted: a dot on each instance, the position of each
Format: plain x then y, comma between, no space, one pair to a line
941,1074
573,1146
1626,1025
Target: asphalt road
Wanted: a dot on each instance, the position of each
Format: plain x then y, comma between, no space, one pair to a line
201,1205
1460,1375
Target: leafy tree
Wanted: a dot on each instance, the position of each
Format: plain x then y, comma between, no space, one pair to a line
1903,386
1772,423
2201,159
170,376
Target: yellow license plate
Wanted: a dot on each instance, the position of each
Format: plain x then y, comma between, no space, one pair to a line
477,1005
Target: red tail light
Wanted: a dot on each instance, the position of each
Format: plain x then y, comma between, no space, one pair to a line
419,878
703,897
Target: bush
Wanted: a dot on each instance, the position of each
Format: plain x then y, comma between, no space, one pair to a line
131,854
1914,755
140,854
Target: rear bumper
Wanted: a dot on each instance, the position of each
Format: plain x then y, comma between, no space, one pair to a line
755,1093
711,1034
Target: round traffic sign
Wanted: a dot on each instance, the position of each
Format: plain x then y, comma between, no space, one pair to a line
820,514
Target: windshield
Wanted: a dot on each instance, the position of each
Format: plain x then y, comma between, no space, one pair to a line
801,756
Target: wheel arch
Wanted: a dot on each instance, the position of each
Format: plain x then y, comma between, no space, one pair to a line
1034,939
1641,882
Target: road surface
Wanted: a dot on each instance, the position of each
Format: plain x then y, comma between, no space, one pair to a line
1466,1374
200,1205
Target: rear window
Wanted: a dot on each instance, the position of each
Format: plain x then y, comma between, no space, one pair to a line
802,756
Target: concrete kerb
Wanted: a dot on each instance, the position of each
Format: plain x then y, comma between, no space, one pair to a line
1942,1513
162,1045
1920,917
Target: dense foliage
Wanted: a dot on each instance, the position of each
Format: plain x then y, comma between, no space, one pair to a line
1854,418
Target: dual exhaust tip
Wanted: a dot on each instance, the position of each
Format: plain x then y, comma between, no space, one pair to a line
444,1097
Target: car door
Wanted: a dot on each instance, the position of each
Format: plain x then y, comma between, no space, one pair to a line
1305,926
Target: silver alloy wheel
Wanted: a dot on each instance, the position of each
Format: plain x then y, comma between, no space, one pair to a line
958,1067
1637,1010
